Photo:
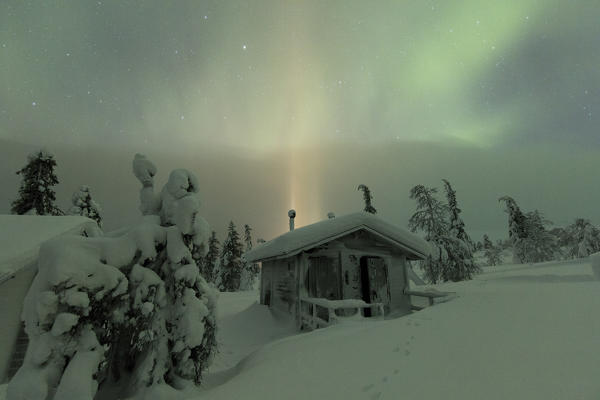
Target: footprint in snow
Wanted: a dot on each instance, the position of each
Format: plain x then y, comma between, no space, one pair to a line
396,371
406,352
396,349
367,387
376,396
384,379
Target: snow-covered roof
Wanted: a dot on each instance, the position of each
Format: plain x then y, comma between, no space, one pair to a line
310,236
22,235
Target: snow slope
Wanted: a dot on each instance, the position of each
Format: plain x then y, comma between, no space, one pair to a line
520,332
22,235
515,332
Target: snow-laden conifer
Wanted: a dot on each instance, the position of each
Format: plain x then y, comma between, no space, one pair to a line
589,242
491,252
517,229
368,198
231,261
463,265
36,195
129,312
85,205
457,226
209,265
539,244
430,218
451,258
249,269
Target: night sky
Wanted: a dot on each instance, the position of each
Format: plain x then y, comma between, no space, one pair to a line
279,104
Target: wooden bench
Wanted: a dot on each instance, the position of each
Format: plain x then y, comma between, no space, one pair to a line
312,318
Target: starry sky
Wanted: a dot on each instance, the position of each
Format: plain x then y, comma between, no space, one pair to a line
279,104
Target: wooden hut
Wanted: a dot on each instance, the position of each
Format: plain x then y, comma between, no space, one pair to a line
352,266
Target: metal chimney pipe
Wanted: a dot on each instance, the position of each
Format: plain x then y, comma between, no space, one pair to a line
330,215
292,215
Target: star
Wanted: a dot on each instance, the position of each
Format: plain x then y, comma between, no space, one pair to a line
34,104
243,47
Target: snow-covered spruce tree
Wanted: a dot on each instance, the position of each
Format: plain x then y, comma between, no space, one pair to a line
590,241
249,269
430,218
539,244
491,252
461,250
231,261
457,226
85,205
581,239
367,197
36,195
129,312
209,263
517,231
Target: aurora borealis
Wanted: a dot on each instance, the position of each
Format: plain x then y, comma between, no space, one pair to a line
462,89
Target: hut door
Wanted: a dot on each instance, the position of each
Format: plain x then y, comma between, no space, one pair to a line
323,278
374,282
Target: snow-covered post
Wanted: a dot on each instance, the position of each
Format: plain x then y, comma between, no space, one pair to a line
595,259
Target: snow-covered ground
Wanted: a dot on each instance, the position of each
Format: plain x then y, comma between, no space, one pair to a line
514,332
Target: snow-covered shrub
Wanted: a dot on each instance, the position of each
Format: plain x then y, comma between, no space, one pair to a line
36,195
132,311
85,205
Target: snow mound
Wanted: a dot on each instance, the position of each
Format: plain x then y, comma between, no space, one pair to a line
245,328
22,235
512,334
